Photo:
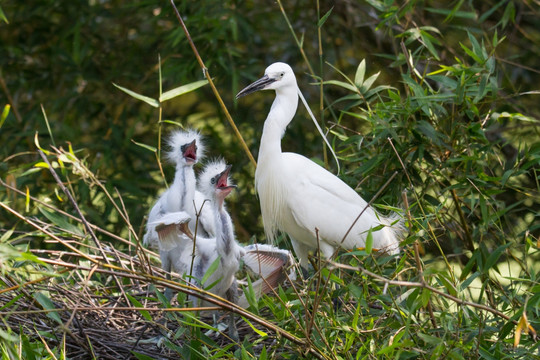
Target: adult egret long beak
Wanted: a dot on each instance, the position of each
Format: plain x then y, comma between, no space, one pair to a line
256,86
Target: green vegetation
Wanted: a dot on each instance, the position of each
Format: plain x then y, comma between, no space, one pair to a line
439,97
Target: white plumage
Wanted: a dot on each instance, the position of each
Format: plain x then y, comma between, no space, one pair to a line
185,150
298,196
216,185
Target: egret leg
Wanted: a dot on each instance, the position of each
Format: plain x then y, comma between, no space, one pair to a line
302,252
232,296
166,265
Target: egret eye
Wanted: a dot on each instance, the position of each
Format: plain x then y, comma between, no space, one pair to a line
213,180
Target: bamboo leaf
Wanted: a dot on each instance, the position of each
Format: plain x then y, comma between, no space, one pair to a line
360,73
137,304
3,16
147,147
211,269
495,255
4,115
325,17
369,242
146,99
181,90
259,332
341,84
369,81
47,304
60,221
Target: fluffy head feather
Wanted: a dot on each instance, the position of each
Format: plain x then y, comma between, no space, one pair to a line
177,139
207,179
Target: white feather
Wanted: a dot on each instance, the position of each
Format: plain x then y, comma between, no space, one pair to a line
301,198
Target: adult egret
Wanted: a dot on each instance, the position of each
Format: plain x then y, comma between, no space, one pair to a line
301,198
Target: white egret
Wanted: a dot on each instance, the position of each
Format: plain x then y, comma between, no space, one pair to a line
301,198
186,148
215,184
179,204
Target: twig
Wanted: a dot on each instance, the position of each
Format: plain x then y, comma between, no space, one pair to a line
419,266
49,206
366,207
423,286
83,219
10,99
468,237
36,281
46,232
214,89
435,240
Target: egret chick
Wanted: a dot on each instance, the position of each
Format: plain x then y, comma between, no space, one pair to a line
216,186
186,148
297,196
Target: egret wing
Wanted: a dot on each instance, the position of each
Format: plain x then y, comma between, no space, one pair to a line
319,199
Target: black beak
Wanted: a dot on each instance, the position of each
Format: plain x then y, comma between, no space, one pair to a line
256,86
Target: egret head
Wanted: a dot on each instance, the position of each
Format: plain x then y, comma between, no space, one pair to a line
276,76
214,181
186,147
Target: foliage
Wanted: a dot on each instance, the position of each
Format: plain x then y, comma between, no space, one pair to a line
443,95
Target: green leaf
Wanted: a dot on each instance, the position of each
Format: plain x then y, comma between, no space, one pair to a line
360,73
447,284
137,304
3,16
263,355
4,115
259,332
325,17
427,41
146,99
464,285
495,255
211,269
490,11
181,90
369,242
142,356
471,53
47,304
341,84
251,297
369,81
432,340
60,221
147,147
509,14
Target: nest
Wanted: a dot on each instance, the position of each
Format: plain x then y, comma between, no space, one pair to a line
84,312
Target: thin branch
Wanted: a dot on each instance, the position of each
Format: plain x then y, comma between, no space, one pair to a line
10,99
214,89
83,219
49,206
366,207
423,286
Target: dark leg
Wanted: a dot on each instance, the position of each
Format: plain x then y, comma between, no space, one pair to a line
232,296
